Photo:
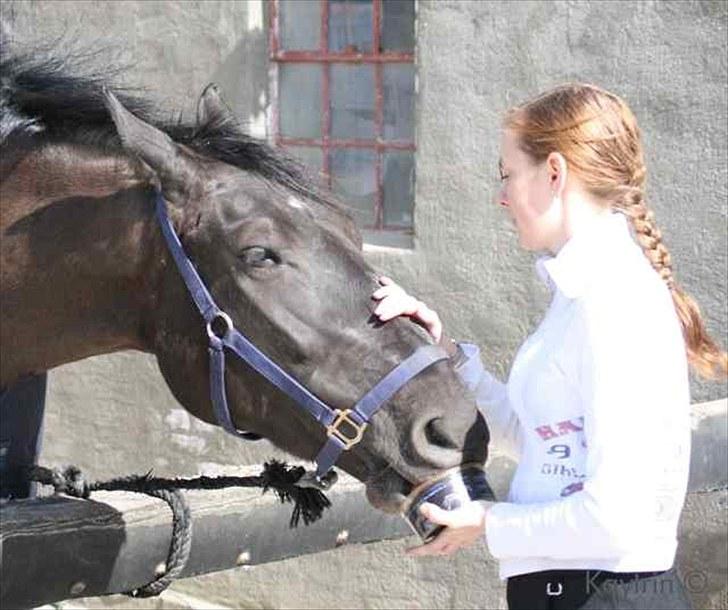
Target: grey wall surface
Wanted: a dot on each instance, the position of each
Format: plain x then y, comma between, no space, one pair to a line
113,415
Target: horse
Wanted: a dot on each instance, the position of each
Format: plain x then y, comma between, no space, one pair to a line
85,271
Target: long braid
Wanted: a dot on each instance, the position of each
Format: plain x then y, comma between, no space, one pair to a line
649,237
703,353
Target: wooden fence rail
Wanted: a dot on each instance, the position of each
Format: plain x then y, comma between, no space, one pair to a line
57,548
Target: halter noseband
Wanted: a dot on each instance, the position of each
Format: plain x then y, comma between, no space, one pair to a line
344,428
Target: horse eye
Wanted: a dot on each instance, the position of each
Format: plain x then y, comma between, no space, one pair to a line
258,256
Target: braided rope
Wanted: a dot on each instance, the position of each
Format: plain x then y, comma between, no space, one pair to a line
309,503
180,546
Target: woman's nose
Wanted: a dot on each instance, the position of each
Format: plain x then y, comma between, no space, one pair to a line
502,199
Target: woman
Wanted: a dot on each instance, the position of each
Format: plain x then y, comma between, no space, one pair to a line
597,403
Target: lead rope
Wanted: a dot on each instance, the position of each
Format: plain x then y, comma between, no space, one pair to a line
289,483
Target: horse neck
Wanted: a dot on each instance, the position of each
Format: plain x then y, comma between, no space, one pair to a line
78,245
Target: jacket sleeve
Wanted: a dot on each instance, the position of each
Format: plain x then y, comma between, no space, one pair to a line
491,397
620,374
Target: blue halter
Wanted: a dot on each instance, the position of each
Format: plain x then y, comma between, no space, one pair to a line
344,428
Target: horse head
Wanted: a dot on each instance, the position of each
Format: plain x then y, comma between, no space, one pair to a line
287,267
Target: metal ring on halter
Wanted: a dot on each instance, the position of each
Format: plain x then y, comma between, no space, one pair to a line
220,315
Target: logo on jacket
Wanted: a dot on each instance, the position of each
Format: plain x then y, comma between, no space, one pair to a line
548,431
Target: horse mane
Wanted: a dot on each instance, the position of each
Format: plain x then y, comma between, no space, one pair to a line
46,93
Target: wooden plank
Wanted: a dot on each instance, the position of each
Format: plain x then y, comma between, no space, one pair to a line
58,548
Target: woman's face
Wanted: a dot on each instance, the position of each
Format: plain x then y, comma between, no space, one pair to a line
526,191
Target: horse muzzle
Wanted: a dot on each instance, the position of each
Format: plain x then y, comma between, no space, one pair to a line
449,490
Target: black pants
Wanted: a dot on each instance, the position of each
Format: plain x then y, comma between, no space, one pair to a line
597,590
21,424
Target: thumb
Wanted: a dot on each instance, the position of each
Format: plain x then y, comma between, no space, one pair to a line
437,515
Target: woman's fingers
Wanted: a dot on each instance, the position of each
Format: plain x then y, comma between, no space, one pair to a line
431,512
388,287
419,551
469,515
395,302
444,544
464,527
431,548
395,306
379,293
387,291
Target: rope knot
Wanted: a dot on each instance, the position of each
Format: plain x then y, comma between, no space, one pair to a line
69,481
75,482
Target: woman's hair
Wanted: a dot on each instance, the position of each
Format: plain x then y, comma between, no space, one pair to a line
598,136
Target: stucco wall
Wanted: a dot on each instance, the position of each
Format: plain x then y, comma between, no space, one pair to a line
114,415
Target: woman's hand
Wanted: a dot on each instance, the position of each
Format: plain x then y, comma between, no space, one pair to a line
463,527
394,302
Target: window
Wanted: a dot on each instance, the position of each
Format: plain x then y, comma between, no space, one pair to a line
345,100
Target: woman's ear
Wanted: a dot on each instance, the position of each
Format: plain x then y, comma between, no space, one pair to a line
557,171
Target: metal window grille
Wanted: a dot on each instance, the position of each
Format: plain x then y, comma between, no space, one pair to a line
344,100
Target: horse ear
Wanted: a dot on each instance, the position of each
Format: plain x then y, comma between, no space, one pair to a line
211,108
150,144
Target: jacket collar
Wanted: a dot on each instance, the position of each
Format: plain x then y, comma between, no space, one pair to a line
580,258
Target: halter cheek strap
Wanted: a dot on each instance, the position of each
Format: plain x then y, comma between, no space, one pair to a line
338,441
344,428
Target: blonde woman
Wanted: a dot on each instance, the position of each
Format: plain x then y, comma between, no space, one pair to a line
596,406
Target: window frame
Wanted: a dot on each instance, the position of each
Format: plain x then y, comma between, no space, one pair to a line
326,58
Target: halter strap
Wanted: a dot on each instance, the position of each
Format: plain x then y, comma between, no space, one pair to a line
195,286
374,399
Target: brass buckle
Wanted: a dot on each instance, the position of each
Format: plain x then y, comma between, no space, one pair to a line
343,418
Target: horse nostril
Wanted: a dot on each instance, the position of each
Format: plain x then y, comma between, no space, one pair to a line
436,434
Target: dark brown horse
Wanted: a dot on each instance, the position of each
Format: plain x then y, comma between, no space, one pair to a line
85,271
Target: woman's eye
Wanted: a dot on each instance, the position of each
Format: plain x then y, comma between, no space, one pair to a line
503,177
258,256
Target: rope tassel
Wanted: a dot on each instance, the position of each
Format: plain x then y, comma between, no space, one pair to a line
308,502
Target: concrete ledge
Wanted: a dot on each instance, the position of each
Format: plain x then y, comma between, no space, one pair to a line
709,452
702,555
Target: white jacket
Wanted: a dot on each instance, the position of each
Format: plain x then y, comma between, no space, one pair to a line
597,410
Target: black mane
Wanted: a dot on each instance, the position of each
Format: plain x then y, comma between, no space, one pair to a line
48,94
